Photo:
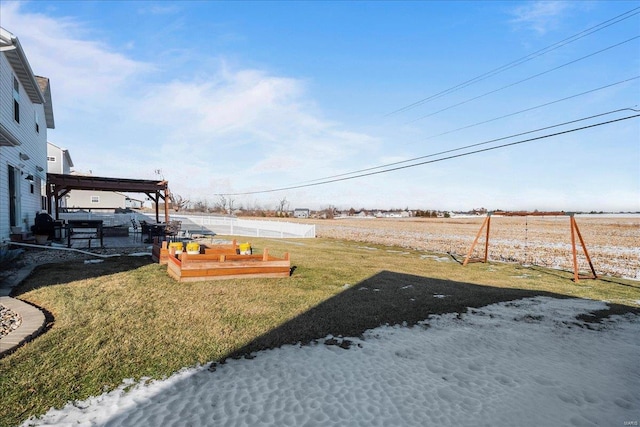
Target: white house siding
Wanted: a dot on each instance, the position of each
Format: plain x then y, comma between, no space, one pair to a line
62,163
56,165
108,199
33,145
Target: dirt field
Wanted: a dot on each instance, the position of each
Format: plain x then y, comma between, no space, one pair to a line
613,241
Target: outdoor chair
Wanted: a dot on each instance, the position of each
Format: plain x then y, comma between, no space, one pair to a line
136,229
173,228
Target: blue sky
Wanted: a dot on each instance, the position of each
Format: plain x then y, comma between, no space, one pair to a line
245,97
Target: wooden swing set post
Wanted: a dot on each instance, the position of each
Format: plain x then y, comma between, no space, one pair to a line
575,230
487,223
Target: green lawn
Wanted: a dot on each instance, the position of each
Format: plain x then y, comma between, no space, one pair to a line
125,318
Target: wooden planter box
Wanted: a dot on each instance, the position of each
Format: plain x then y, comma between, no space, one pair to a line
160,250
192,268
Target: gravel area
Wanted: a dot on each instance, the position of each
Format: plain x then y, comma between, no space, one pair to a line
9,321
31,257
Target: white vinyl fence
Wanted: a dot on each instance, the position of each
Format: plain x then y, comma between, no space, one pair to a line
206,224
108,219
244,227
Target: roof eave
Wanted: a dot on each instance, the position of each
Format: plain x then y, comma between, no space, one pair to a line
45,88
7,139
15,55
66,154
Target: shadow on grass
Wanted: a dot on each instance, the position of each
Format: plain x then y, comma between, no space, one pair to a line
71,271
384,298
392,298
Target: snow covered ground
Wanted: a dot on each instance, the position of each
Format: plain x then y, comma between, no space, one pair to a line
529,362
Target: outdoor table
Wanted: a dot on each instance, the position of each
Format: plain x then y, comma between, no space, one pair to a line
93,224
153,230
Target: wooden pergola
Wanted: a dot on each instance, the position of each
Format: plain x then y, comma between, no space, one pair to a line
574,231
58,185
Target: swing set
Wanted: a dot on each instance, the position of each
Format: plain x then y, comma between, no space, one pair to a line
574,231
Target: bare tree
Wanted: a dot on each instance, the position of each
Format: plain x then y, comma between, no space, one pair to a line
282,206
221,205
201,205
178,202
330,212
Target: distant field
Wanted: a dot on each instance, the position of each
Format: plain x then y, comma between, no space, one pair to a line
613,242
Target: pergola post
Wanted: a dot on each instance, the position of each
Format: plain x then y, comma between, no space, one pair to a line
167,198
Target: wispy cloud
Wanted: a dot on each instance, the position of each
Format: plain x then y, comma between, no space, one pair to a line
83,72
158,9
541,16
259,128
250,121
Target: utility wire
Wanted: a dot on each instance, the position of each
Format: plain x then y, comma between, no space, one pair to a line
493,140
293,187
522,60
524,80
531,108
470,146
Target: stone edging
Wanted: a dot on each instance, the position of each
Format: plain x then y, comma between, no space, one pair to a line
33,322
33,319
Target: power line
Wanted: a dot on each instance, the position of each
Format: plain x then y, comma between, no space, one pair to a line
532,108
522,60
293,187
524,80
471,145
498,139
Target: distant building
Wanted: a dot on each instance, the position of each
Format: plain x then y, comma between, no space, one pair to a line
58,160
132,203
301,213
88,199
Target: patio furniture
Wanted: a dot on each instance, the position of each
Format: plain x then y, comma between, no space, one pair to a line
94,225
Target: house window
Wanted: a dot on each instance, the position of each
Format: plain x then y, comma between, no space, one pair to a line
43,192
95,199
16,100
51,159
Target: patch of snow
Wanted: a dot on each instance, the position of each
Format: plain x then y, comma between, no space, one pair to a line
529,362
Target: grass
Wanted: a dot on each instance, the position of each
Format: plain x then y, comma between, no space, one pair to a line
125,318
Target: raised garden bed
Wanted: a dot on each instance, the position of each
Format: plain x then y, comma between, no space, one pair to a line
160,250
191,268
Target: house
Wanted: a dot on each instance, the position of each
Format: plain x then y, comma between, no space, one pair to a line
26,112
90,199
58,159
131,203
301,213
